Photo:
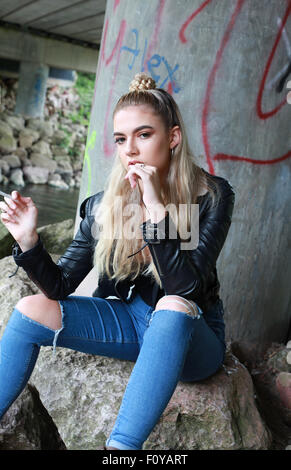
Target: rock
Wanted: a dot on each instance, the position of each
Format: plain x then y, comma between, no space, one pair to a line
21,152
56,181
44,127
64,167
15,122
283,385
16,177
35,174
42,161
219,413
28,426
5,129
4,167
43,148
12,160
82,393
57,237
27,137
7,143
58,137
6,241
272,393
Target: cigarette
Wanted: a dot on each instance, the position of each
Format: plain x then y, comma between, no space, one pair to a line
5,195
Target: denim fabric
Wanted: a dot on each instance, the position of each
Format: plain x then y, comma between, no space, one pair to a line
166,346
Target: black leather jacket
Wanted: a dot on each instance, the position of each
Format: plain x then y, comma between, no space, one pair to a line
191,274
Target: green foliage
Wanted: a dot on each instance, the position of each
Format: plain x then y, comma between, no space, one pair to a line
85,88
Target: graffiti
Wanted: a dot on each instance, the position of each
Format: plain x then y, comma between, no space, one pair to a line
87,162
155,64
143,55
282,75
189,20
211,84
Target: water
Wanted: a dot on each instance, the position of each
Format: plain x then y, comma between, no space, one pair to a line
54,205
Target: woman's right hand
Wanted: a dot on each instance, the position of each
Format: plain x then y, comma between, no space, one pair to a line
19,215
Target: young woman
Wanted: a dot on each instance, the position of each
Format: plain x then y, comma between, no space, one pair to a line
157,302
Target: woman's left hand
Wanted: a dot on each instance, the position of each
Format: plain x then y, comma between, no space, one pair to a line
150,181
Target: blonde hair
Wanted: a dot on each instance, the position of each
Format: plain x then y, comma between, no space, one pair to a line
183,183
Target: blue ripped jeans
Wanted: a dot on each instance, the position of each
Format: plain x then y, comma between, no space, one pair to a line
166,346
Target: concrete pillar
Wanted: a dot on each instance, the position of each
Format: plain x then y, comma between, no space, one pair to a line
31,89
226,64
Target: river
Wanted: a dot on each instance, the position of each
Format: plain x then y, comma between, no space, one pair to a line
54,205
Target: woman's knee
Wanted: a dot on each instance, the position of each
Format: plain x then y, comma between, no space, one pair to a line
178,303
41,309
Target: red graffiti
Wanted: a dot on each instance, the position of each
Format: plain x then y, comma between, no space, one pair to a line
154,40
116,3
190,19
260,113
211,83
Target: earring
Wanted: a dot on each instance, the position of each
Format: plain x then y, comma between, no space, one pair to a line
172,152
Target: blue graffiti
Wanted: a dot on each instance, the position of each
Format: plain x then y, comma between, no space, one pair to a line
157,65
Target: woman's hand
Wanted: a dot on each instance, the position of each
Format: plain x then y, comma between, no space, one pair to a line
19,215
151,185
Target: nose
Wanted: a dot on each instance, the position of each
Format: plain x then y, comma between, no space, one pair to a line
131,148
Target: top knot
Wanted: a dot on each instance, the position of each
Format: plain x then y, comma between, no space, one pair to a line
142,82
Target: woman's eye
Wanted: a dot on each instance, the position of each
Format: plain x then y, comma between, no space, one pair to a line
119,140
144,135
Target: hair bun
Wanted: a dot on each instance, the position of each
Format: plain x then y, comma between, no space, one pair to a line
142,82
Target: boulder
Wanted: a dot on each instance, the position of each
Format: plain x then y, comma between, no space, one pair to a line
56,181
272,379
4,166
42,147
28,426
37,159
5,129
16,122
57,237
82,393
36,174
7,143
27,137
6,241
12,160
16,177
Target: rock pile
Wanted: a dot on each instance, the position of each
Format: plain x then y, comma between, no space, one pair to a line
41,151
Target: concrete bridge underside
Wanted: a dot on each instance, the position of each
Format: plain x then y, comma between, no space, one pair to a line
40,34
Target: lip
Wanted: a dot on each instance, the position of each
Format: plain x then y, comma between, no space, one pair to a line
133,162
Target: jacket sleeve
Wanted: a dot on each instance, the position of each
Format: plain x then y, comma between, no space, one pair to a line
185,272
58,280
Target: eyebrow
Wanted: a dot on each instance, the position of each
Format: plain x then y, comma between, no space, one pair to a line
135,130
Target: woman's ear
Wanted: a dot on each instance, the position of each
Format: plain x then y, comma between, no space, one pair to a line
175,136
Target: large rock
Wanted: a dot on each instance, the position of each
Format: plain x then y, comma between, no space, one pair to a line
12,160
6,241
82,393
56,237
28,426
36,174
37,159
27,137
272,379
43,148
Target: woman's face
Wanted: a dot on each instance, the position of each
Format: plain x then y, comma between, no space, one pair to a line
140,135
